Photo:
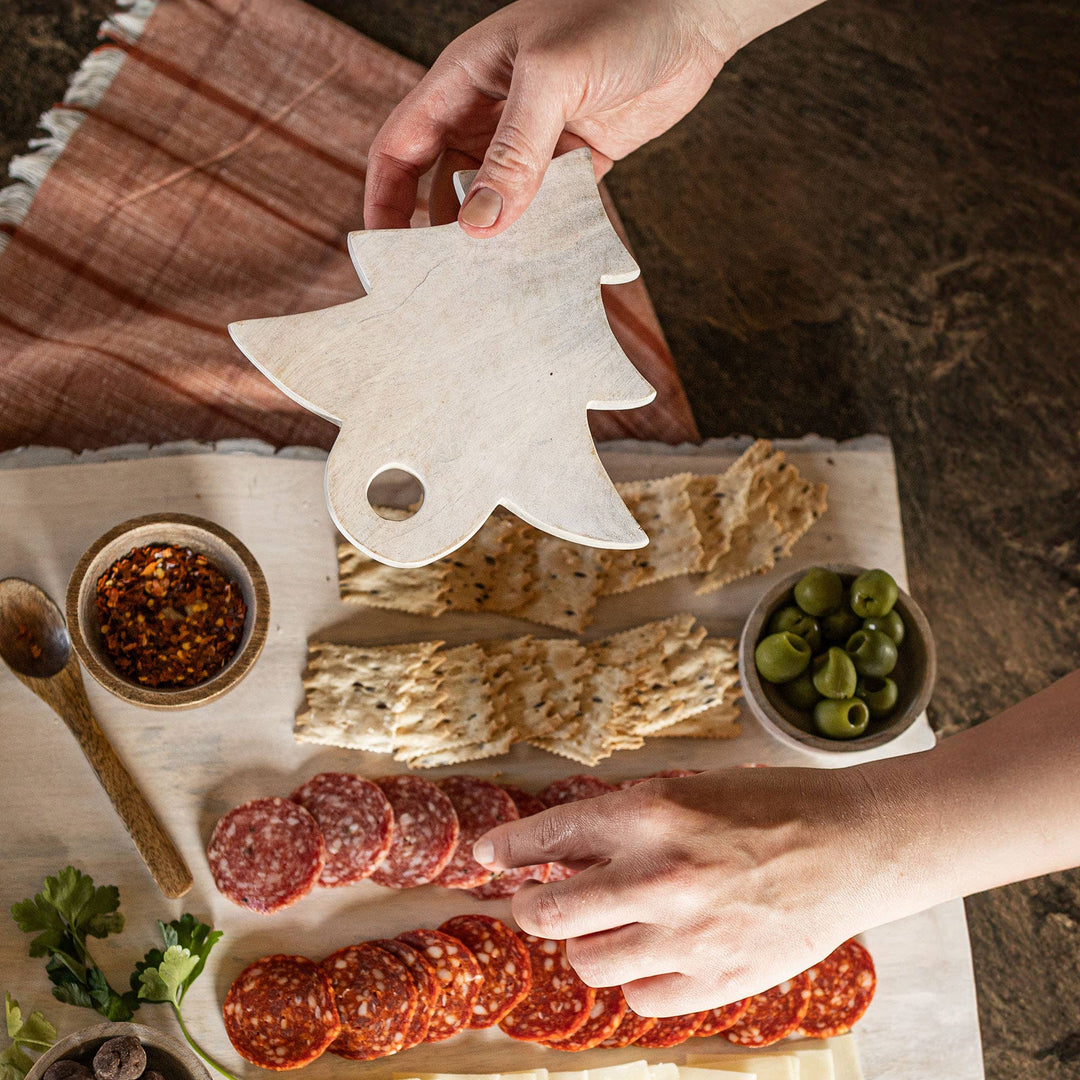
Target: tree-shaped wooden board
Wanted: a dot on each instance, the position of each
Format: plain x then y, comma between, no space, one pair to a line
470,365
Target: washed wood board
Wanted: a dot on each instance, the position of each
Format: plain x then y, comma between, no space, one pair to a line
195,765
469,365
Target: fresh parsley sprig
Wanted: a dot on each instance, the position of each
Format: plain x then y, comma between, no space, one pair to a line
34,1033
67,911
165,975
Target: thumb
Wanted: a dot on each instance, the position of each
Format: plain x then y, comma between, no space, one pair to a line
517,158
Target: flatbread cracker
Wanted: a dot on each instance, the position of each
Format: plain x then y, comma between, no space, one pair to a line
513,583
524,705
420,590
472,569
567,584
719,722
798,503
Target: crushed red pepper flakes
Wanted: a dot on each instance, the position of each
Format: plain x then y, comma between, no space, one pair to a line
169,618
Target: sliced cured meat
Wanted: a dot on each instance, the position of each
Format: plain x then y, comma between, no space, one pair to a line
629,1031
266,854
664,774
459,977
670,1031
504,964
717,1020
480,806
841,989
376,997
604,1019
505,884
280,1013
573,789
425,832
558,1002
427,987
772,1015
356,821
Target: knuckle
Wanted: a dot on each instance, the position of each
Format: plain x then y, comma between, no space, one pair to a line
539,911
552,833
594,965
512,159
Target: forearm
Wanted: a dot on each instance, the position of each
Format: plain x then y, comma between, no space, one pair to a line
995,804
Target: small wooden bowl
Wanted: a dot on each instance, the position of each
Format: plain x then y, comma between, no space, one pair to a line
916,672
223,549
163,1054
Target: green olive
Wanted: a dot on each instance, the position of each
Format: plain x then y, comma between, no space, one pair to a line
834,674
872,651
798,622
879,694
873,592
845,719
781,657
819,591
890,624
801,692
837,627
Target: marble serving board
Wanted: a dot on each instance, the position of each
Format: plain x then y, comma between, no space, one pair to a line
195,765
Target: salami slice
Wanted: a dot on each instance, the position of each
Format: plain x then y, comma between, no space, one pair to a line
664,774
670,1031
717,1020
376,997
480,806
266,854
841,989
425,832
629,1031
280,1014
558,1002
604,1019
459,978
504,885
772,1015
427,987
356,821
504,964
574,789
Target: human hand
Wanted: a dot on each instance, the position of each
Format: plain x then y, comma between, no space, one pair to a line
704,890
538,78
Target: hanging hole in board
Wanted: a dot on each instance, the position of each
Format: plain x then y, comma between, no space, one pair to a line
395,494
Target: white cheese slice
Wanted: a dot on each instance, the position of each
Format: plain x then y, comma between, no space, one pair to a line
664,1071
764,1066
568,1075
815,1063
689,1072
632,1070
845,1057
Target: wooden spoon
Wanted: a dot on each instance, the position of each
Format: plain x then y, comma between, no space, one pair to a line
34,643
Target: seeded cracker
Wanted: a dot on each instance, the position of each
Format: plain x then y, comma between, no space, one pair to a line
472,569
513,580
421,590
567,664
525,705
798,504
719,722
568,583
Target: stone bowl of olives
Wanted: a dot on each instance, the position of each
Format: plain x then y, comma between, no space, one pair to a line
118,1052
837,658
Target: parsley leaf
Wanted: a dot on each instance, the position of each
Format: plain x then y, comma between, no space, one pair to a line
33,1033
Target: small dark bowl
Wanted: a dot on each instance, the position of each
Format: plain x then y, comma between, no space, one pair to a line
915,674
163,1054
230,556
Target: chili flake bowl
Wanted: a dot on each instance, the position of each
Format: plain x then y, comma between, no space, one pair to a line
164,1054
203,537
915,680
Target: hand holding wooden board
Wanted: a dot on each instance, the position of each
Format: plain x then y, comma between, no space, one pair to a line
470,365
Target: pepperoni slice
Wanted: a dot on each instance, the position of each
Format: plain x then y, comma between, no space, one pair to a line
664,774
671,1030
376,998
279,1013
504,885
427,987
629,1031
717,1020
425,832
558,1002
573,789
459,978
266,854
356,821
605,1017
480,806
772,1015
504,963
841,989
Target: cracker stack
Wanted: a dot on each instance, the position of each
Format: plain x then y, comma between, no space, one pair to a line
430,706
723,527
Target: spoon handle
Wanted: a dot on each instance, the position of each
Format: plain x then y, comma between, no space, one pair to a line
66,695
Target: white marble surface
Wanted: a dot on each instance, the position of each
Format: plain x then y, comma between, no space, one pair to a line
194,765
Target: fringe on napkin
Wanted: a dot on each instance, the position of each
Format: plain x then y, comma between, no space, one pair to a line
86,88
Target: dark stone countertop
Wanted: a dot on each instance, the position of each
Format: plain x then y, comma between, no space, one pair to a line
871,223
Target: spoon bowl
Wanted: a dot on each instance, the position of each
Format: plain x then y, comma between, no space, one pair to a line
34,640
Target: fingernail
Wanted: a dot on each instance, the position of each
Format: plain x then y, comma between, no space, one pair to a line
483,851
481,209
